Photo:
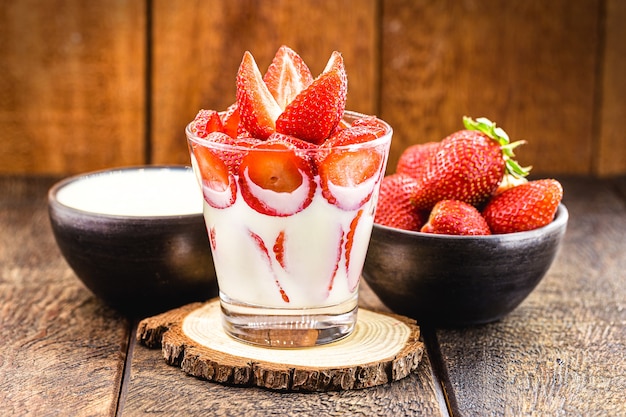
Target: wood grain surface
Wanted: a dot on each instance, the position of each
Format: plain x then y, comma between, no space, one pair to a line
88,85
62,352
382,348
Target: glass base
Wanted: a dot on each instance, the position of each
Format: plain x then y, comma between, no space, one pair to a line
288,328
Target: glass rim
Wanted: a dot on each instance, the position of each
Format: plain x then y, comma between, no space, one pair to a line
350,114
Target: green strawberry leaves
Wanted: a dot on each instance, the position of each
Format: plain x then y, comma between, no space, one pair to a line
489,128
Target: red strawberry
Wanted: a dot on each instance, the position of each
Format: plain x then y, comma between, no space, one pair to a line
265,254
468,165
453,217
276,181
357,133
353,277
279,249
219,186
206,121
394,207
412,160
315,111
286,76
524,207
298,143
258,109
230,120
348,176
373,123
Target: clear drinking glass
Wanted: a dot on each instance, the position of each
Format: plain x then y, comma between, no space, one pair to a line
288,264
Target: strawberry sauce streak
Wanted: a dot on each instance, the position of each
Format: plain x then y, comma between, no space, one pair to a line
279,249
350,243
265,252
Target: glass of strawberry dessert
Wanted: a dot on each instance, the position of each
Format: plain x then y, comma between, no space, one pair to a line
290,182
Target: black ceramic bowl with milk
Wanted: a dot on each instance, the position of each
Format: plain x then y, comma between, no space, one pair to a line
135,236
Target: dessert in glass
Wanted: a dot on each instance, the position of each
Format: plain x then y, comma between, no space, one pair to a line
290,182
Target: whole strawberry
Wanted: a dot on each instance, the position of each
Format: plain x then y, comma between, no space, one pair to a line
412,160
468,165
524,207
394,207
453,217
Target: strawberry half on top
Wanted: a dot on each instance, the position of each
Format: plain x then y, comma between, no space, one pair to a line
524,207
315,111
468,165
288,100
286,76
275,180
258,109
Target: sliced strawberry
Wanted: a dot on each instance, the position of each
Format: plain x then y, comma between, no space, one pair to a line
353,277
212,238
337,261
348,176
354,134
258,240
298,143
230,120
343,124
247,142
206,121
258,109
286,76
373,123
315,112
218,182
276,181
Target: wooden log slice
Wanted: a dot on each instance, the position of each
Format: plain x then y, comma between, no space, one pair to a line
383,348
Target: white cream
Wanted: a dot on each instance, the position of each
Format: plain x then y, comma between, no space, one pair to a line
314,245
135,192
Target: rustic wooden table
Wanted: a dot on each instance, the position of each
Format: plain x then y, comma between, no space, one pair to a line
64,353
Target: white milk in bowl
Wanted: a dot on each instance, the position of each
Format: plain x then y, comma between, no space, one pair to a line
135,192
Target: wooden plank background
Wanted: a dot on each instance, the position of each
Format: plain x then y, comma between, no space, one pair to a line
90,85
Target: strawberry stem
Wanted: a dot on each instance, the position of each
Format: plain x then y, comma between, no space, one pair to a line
489,128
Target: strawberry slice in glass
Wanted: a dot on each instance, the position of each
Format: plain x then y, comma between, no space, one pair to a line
275,180
219,186
351,167
205,122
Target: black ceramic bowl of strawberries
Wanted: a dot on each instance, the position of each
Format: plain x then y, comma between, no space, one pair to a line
461,236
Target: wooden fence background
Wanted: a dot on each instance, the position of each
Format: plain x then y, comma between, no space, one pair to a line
92,84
